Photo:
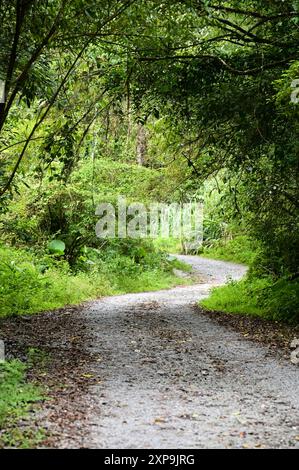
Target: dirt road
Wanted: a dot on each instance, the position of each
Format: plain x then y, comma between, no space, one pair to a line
151,370
172,378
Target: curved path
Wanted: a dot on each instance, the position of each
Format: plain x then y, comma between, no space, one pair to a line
172,378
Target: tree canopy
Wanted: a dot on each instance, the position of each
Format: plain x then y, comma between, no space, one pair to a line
196,92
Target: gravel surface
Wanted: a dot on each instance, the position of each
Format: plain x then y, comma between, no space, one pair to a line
151,370
172,378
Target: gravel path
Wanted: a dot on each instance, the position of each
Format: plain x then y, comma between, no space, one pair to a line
170,377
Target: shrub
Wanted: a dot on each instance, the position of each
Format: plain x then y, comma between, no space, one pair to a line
275,300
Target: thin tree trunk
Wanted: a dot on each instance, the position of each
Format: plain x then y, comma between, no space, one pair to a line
141,145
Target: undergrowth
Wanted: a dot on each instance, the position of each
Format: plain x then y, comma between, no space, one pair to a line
31,283
17,398
239,250
273,300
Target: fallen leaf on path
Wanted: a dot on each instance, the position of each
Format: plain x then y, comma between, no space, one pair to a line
159,420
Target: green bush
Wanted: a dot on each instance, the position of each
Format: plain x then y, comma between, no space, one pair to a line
264,297
16,399
239,249
31,283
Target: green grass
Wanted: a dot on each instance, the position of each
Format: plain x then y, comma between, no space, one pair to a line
239,250
148,281
181,265
26,287
258,297
235,298
17,397
169,245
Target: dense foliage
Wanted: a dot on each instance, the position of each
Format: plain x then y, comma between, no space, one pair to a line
154,100
159,101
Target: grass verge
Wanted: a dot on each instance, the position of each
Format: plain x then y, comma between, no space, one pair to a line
148,281
239,250
30,285
258,297
17,398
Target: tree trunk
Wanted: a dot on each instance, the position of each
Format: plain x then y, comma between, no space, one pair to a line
141,146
